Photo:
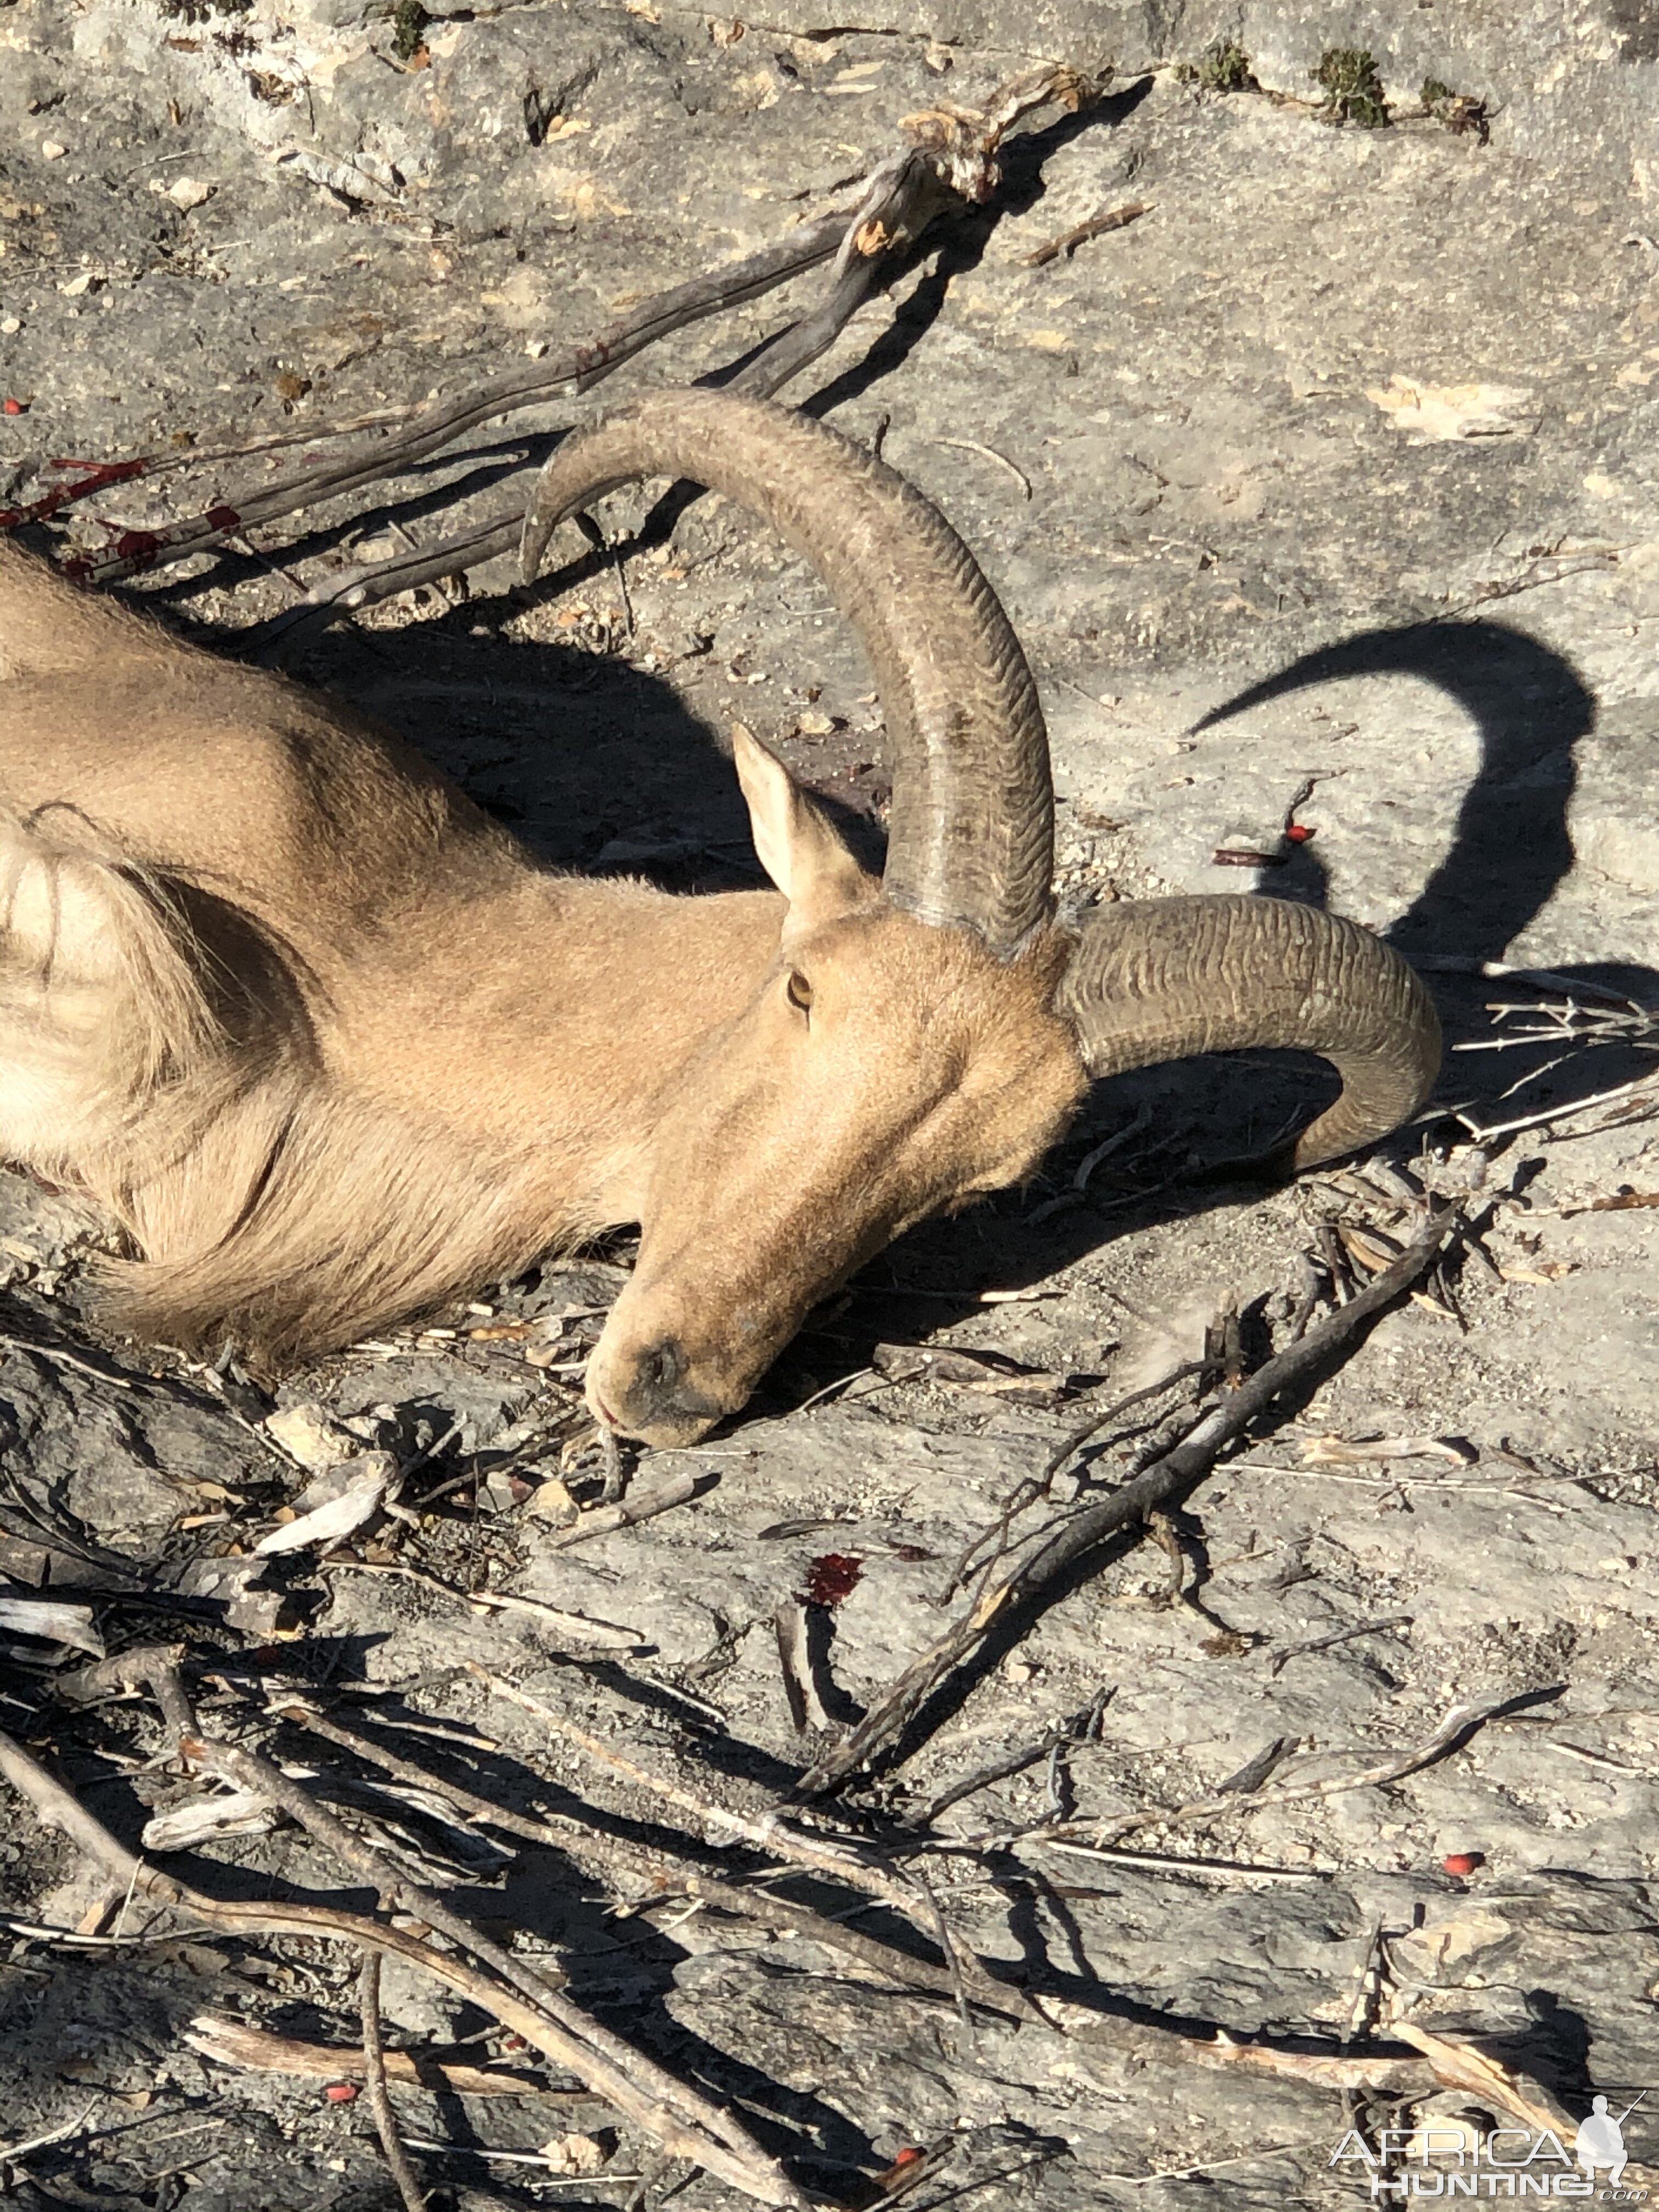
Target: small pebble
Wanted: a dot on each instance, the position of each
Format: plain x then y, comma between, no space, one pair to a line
51,151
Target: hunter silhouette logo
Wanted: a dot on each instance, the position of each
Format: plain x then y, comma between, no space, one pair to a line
1455,2160
1601,2141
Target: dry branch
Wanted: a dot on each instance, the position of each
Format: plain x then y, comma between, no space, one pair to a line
231,2042
437,423
964,1977
950,162
1096,226
249,1771
675,2116
1167,1478
1461,1722
379,2104
667,1878
642,1505
1147,2041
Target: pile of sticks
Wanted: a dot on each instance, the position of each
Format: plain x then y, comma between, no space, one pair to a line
755,1853
948,163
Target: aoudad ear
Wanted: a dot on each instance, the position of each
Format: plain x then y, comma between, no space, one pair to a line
795,842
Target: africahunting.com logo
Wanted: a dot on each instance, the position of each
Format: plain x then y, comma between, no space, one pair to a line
1460,2161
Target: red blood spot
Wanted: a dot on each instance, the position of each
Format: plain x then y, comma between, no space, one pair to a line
1462,1863
100,473
139,546
1297,832
341,2093
13,406
908,2156
831,1579
223,518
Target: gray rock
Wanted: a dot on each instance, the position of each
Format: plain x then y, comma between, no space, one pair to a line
1613,814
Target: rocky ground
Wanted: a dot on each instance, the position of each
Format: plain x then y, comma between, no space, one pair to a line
1337,465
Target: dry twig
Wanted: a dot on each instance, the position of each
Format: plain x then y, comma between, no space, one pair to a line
1081,1533
950,162
231,2042
603,1520
524,2001
379,2104
1094,226
1461,1722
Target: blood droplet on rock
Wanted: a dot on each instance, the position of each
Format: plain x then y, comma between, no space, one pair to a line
831,1579
1462,1863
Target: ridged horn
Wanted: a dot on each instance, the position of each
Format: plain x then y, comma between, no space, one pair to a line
971,836
1157,980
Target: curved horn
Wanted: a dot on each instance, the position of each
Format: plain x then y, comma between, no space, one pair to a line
971,837
1162,979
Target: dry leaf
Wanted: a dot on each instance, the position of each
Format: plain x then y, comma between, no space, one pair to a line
575,2155
554,1503
1338,1451
1447,412
306,1433
361,1498
1369,1248
262,1615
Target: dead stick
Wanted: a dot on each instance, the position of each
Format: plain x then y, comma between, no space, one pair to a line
1459,1725
643,1505
901,198
249,1771
756,2176
437,423
231,2042
379,2104
1096,226
1167,1478
768,1834
153,1665
890,192
907,195
1146,2041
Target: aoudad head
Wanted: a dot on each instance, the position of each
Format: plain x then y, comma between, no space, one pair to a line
920,1040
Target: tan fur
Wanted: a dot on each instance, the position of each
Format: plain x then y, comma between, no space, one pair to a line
331,1047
